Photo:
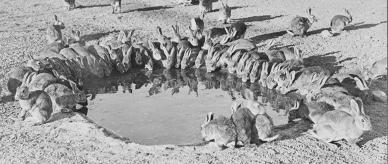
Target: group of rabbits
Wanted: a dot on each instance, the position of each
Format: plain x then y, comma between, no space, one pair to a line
116,5
247,124
51,80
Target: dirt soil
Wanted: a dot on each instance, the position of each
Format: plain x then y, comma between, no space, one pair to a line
73,138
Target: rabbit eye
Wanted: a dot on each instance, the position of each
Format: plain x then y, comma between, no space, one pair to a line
362,120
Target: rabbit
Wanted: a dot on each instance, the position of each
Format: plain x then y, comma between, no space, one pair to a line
309,82
53,32
242,62
39,81
245,69
200,59
208,42
251,103
15,78
168,42
188,59
221,130
378,69
263,125
241,44
242,118
236,31
196,24
233,60
177,36
62,97
275,72
70,4
211,66
206,5
171,56
300,25
225,13
339,22
116,6
256,71
336,125
37,103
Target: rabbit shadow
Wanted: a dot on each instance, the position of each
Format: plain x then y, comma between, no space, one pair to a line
92,6
257,18
7,98
153,8
231,8
327,61
361,25
97,36
259,38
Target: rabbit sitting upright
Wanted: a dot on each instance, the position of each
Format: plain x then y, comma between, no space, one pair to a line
37,103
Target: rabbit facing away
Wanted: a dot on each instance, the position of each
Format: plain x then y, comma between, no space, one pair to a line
116,6
300,25
37,103
70,4
225,12
242,118
220,129
206,5
339,22
15,78
65,98
235,31
263,125
337,125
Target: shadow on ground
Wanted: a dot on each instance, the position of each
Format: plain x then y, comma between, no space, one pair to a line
258,18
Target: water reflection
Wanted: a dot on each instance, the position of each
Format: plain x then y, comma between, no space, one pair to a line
173,81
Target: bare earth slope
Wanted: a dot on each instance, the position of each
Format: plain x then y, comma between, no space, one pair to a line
75,139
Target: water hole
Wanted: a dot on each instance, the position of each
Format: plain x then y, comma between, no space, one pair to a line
168,107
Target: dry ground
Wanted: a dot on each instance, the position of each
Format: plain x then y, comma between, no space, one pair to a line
74,139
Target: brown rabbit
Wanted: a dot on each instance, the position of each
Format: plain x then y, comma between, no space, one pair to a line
225,12
37,103
70,4
53,32
339,22
116,6
300,25
337,124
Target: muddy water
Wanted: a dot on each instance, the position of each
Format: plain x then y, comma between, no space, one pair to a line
168,107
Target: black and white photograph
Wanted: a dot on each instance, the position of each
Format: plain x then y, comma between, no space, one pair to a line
193,81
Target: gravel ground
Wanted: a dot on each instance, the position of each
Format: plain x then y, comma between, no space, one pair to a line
76,139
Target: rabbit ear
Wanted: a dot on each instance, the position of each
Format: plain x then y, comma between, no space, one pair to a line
159,30
78,33
209,116
202,15
25,78
29,77
121,35
355,108
151,45
130,34
323,81
292,73
308,10
56,18
360,83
